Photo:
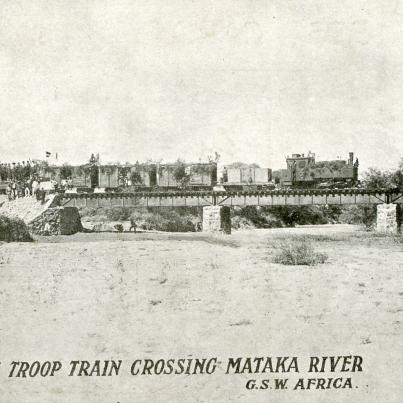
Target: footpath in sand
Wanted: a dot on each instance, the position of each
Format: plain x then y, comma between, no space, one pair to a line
135,296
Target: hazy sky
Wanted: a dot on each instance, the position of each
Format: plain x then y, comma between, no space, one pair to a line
252,80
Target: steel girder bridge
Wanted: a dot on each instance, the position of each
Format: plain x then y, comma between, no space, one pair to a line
300,197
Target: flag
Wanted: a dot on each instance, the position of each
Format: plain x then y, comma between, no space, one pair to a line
48,154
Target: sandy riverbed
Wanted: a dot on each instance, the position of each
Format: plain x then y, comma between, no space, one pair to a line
155,295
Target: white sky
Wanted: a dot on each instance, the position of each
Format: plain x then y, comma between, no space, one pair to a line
252,80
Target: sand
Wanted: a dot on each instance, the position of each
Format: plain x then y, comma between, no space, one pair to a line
155,295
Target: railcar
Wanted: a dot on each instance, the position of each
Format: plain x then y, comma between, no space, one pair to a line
199,176
247,178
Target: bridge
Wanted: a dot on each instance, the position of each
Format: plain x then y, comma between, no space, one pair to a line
231,198
216,205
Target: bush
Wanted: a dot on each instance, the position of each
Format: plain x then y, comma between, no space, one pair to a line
179,173
118,213
359,214
180,219
286,216
119,227
298,252
239,222
170,221
300,215
13,230
66,171
136,178
88,211
166,219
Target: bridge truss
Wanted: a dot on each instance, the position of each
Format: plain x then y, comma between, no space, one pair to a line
242,198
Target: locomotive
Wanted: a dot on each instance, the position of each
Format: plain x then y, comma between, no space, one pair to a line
302,171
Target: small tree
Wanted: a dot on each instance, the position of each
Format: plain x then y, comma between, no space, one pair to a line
374,178
397,176
180,174
123,174
136,178
66,171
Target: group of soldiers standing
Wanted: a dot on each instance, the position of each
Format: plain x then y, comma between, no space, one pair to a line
32,187
22,180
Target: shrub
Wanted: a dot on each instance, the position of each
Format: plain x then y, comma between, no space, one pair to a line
119,227
136,178
88,211
166,219
118,213
359,214
287,216
13,230
298,252
239,222
66,171
180,174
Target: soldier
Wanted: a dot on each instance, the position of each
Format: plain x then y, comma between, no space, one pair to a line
46,230
92,159
9,192
27,191
43,195
34,186
14,189
133,224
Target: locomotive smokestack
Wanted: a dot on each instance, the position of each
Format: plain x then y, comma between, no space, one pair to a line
350,158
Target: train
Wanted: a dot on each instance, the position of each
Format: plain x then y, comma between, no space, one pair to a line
302,171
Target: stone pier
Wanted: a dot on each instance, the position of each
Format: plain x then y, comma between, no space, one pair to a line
57,221
217,219
388,218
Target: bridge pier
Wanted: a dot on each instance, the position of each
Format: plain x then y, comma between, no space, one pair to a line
217,219
388,218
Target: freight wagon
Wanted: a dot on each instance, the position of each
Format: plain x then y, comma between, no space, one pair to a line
200,176
108,176
247,178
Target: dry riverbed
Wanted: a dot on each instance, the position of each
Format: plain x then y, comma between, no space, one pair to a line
126,296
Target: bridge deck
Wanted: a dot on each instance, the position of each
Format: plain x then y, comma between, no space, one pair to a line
244,198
